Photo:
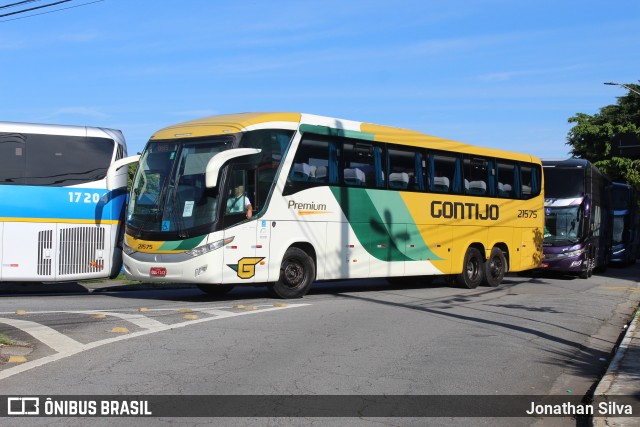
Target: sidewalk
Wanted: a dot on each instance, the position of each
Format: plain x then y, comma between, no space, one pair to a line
622,377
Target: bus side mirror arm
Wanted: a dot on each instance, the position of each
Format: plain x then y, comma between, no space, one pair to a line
217,161
117,174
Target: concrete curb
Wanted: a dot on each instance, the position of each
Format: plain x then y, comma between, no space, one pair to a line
613,371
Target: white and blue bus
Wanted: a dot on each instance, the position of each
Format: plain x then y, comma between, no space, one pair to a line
58,222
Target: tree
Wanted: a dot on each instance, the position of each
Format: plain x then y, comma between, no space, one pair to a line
132,171
593,137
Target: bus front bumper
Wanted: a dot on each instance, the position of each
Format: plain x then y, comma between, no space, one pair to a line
570,264
171,268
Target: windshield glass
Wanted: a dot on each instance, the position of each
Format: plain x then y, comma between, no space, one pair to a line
562,225
620,197
168,193
563,183
618,229
53,160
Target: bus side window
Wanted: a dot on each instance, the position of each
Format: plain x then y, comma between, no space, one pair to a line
362,164
446,174
530,178
405,169
506,180
314,164
13,156
476,177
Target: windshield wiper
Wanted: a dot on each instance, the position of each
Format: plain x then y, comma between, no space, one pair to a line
154,212
182,233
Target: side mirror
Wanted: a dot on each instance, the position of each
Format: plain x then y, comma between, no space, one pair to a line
587,206
117,174
217,161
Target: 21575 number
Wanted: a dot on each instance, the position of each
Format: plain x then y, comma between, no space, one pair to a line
527,213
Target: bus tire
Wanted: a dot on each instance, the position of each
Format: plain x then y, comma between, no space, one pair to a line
590,263
494,268
472,269
297,273
215,290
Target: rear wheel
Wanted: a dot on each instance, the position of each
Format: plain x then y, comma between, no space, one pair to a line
297,273
216,290
495,268
472,269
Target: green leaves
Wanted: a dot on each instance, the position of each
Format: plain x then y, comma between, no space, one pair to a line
592,137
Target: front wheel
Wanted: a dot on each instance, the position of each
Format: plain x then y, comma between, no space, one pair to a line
297,273
495,268
472,269
590,263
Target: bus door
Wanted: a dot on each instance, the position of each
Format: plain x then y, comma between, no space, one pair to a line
244,256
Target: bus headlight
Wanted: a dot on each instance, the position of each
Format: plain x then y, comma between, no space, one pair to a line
201,250
574,253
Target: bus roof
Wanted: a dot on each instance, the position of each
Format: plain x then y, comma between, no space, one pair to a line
567,163
234,123
63,130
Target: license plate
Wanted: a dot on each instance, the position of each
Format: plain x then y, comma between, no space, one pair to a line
544,265
158,272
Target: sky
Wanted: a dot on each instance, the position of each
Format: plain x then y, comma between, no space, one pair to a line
496,73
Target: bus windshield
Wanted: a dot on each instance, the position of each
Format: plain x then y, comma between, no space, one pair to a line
168,193
53,160
562,225
567,183
619,229
620,197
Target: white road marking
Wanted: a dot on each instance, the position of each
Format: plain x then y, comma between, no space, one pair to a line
54,339
75,347
218,313
137,319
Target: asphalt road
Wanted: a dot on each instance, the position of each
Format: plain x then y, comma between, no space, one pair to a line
531,336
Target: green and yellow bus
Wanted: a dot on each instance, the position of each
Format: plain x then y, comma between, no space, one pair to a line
286,199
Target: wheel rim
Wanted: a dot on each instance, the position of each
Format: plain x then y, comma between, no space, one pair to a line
293,273
473,269
496,267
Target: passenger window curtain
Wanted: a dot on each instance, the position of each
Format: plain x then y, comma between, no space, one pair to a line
419,175
333,163
457,177
492,178
432,171
534,181
377,164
